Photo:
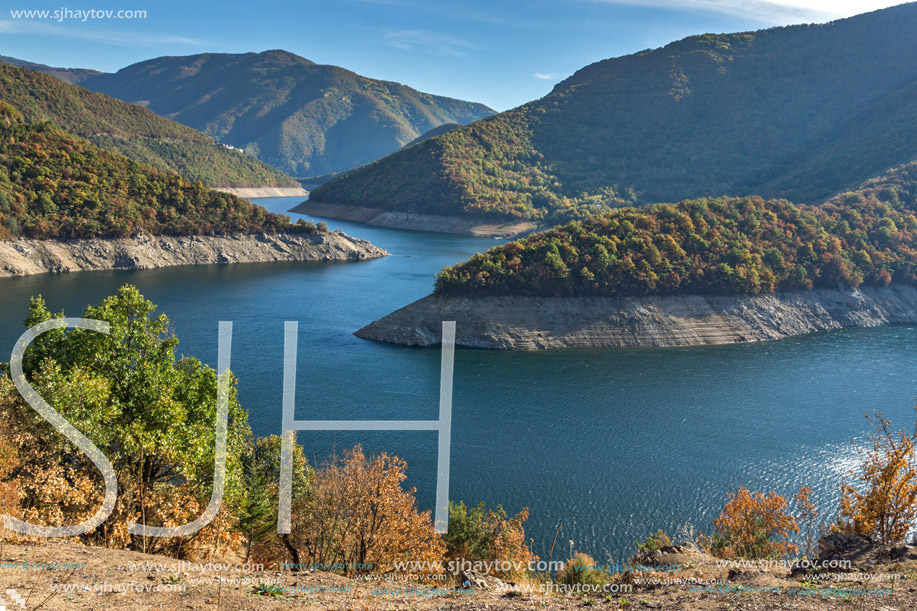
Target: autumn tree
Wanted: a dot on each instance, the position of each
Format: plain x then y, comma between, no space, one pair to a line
150,413
359,516
757,525
886,507
490,535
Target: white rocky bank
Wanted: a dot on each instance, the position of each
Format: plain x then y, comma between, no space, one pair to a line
531,323
25,256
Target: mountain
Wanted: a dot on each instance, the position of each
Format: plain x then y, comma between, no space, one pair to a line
301,117
68,75
711,246
897,186
56,185
706,246
436,131
132,131
800,112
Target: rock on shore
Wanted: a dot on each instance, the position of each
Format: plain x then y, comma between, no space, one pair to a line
532,323
24,256
250,192
411,221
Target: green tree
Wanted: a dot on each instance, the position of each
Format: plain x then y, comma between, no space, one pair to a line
153,415
470,535
258,510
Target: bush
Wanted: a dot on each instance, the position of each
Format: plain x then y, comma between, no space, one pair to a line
754,525
581,569
470,533
258,510
481,534
888,506
654,542
358,516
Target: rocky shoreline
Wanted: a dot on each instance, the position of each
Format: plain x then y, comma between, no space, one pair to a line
250,192
533,323
24,256
410,221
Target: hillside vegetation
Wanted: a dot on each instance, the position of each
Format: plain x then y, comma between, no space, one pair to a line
721,245
436,131
133,131
68,75
55,185
304,118
798,112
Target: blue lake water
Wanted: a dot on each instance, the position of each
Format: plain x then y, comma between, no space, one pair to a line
612,444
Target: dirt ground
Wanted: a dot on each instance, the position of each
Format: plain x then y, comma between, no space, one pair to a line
65,575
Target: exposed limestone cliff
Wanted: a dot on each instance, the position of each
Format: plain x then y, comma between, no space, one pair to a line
531,323
410,221
24,256
250,192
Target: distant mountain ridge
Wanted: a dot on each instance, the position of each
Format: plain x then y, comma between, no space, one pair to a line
301,117
132,131
68,75
436,131
800,112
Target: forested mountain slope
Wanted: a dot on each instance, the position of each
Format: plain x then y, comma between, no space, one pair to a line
799,112
304,118
867,236
133,131
55,185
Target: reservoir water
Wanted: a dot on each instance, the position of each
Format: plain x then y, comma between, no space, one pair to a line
612,444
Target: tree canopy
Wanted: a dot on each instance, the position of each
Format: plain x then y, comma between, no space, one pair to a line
151,413
720,246
133,131
55,185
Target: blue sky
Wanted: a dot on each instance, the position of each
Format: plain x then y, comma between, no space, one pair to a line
499,52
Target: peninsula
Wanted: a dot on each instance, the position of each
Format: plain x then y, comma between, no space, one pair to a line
87,208
708,271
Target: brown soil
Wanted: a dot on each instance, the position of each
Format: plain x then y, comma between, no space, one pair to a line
92,584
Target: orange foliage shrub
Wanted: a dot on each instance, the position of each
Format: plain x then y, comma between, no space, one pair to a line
755,525
9,488
358,515
49,491
509,544
888,506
